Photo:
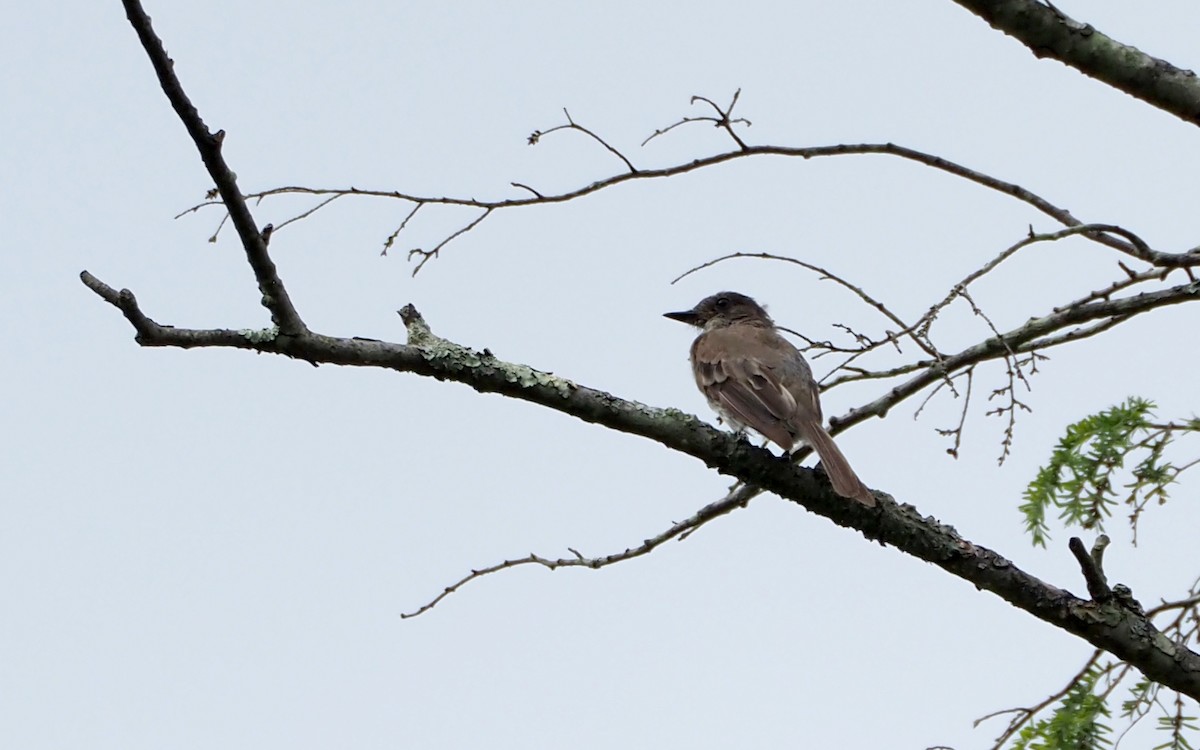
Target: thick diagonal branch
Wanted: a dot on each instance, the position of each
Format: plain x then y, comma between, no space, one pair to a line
274,297
1048,32
1126,633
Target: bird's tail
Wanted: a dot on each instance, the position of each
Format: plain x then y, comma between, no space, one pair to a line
845,482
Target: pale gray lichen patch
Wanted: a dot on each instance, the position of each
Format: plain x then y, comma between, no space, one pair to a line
524,375
456,357
1165,644
669,413
261,335
436,349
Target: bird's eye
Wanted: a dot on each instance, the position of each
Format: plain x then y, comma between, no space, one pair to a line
722,302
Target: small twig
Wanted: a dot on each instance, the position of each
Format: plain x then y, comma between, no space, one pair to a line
1011,355
1014,373
1136,247
1036,328
725,115
680,531
957,431
1092,565
309,212
536,137
391,239
723,120
523,186
220,225
945,383
426,255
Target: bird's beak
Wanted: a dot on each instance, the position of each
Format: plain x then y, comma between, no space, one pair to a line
690,317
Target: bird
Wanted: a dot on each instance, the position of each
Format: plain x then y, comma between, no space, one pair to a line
755,378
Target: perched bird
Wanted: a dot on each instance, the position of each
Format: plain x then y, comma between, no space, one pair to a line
753,377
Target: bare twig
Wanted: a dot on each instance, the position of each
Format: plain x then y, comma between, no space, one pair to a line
1012,370
957,430
391,239
724,119
425,255
1037,328
678,531
537,136
309,212
1136,247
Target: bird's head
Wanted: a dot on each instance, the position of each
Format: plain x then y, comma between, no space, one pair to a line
723,309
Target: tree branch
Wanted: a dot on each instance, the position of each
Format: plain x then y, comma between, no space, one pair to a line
678,531
1128,634
1104,234
1114,624
1048,32
274,297
1017,338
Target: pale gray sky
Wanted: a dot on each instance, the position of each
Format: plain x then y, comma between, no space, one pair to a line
212,549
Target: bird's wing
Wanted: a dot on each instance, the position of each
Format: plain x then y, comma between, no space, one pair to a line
739,384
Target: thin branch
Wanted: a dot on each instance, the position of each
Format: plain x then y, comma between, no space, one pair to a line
391,239
724,120
1036,328
309,212
1136,247
426,255
678,531
1075,334
537,135
1057,213
726,115
523,186
1013,371
957,430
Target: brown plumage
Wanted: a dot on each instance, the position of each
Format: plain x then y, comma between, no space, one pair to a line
754,378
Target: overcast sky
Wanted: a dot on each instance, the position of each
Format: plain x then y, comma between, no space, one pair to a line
209,548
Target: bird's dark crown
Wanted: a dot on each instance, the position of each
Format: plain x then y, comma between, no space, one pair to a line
722,309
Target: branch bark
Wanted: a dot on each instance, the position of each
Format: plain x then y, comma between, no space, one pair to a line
1048,32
